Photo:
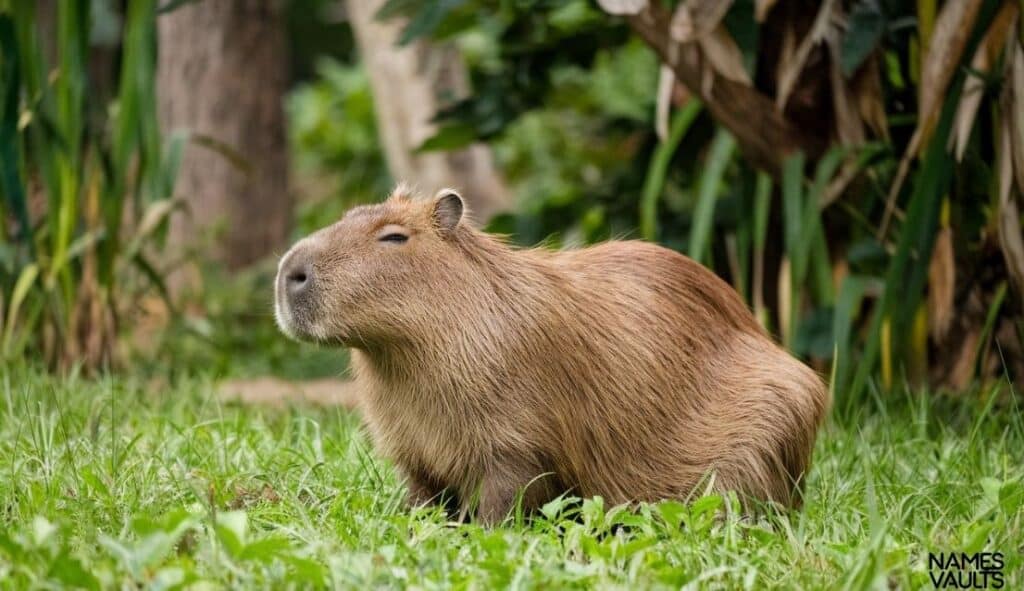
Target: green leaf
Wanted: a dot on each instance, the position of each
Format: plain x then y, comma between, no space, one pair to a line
865,27
306,570
42,530
976,538
848,302
719,156
232,530
672,512
705,506
266,549
657,170
449,137
553,508
426,20
393,8
69,570
25,280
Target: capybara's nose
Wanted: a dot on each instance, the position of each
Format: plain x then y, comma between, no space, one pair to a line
297,277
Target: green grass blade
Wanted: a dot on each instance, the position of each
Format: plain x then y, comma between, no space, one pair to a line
719,155
848,302
990,322
654,182
26,278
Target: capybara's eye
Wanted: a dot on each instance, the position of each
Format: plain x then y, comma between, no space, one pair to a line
394,237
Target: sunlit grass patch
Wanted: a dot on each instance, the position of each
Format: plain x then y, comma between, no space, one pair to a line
116,481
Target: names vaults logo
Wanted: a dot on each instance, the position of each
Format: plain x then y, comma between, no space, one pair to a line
959,570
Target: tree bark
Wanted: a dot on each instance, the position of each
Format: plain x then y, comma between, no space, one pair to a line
410,85
222,75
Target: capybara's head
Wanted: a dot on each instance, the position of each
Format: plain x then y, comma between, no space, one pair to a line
373,275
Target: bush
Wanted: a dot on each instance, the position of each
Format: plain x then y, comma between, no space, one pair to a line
85,185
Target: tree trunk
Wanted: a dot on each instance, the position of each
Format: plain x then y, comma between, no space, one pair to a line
222,77
410,85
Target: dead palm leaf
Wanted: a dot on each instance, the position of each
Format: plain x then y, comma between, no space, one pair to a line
791,68
1011,241
985,58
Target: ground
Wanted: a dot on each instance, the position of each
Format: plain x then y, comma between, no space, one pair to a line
125,480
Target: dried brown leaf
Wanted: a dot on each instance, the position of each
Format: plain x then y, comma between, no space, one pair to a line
670,93
1011,242
961,371
791,68
941,285
837,186
970,100
697,19
666,80
849,127
1013,108
784,291
732,104
952,30
985,56
867,88
724,55
762,8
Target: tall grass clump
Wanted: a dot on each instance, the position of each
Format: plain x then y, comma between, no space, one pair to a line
85,185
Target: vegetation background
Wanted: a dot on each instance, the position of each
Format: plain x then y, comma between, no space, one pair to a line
855,168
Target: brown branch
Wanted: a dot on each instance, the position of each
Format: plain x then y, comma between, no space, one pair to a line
764,134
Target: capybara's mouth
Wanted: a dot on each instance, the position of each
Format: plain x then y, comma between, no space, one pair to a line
297,315
292,316
295,290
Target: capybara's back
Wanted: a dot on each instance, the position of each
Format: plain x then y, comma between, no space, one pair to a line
624,370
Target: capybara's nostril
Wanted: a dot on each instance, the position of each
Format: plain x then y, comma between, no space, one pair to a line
298,277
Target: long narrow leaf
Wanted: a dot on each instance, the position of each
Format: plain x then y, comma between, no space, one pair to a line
654,183
722,148
21,288
848,302
762,201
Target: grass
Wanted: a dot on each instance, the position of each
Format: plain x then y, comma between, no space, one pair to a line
121,481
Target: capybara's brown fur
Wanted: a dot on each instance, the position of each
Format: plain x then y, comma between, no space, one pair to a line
624,370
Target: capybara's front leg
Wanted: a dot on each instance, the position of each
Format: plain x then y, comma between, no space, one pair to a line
500,492
497,497
424,491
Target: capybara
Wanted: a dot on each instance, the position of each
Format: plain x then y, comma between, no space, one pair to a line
496,374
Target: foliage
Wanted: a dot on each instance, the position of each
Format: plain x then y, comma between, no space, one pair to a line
235,335
85,187
816,250
107,485
333,138
573,163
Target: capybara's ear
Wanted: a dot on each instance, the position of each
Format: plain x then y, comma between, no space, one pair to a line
447,210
